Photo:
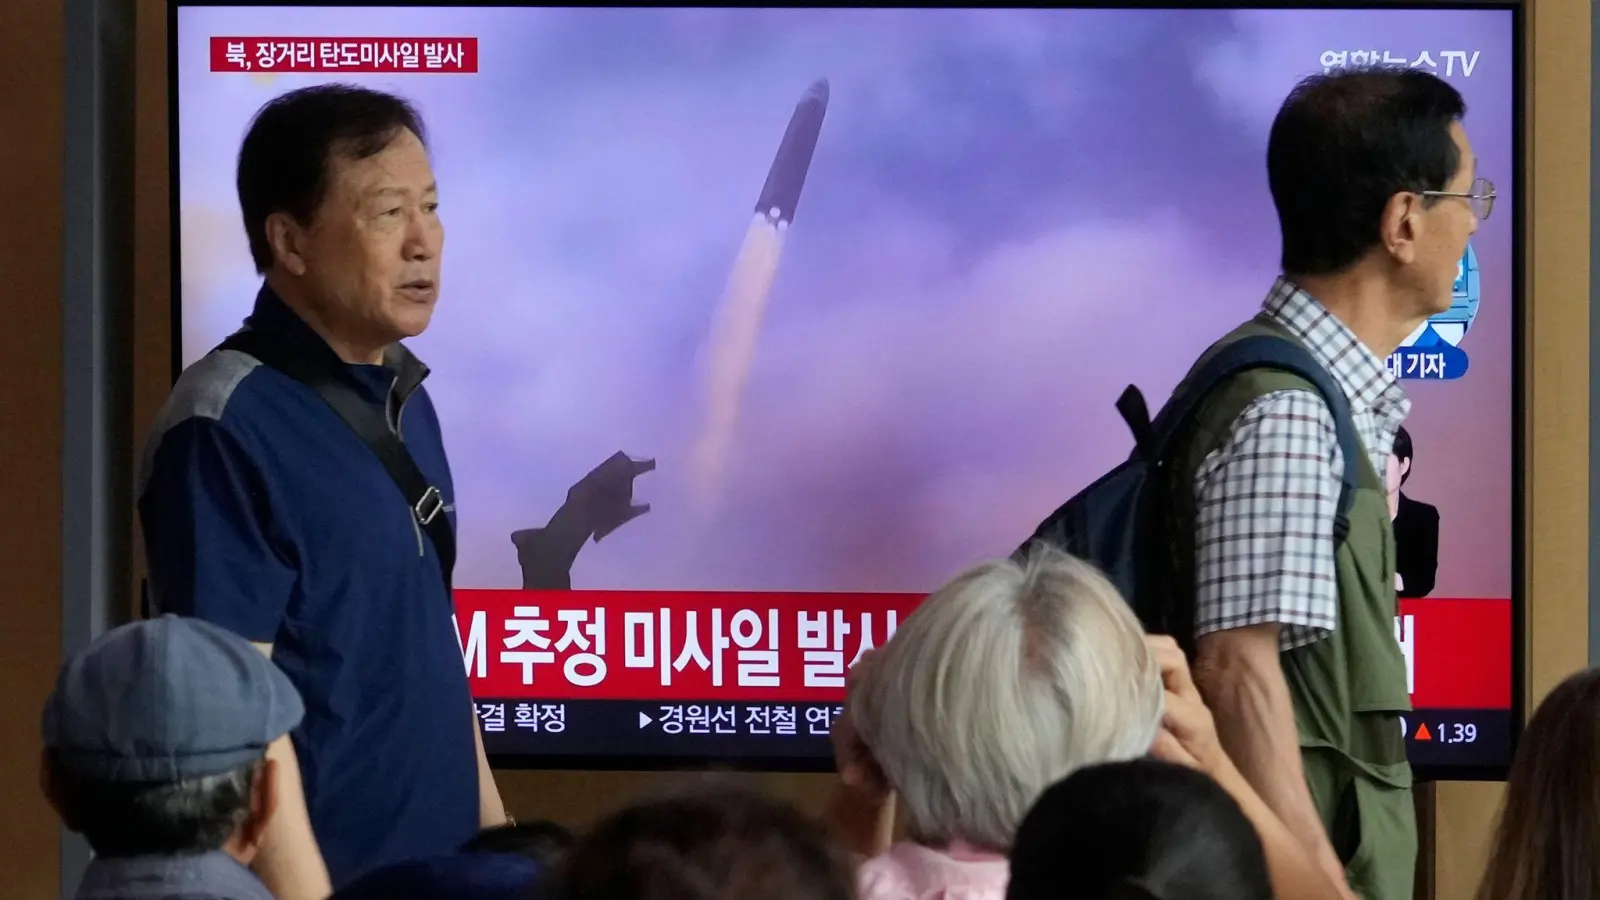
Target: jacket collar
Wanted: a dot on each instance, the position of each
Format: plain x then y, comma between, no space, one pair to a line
272,315
1366,381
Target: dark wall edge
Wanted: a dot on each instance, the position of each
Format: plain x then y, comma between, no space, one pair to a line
97,320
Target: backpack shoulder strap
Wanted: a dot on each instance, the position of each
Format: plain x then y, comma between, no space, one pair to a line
1260,351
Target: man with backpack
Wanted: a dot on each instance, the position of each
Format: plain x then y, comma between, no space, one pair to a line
1252,522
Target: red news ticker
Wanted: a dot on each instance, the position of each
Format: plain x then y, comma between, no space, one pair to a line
421,55
797,647
1458,652
656,645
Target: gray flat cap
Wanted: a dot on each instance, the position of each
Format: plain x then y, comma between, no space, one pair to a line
167,699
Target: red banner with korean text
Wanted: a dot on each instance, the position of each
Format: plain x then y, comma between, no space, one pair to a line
1458,652
647,645
421,55
664,645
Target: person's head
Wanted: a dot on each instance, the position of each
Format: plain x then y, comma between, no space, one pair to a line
342,213
1139,829
1399,468
706,845
542,842
1543,847
1003,681
156,738
1372,174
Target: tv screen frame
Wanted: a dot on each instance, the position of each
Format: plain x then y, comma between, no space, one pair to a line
800,764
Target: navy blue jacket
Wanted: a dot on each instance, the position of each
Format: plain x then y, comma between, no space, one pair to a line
264,513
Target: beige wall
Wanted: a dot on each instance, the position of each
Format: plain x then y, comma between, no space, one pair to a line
30,361
1556,418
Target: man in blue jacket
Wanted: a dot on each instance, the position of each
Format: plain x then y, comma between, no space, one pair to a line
264,511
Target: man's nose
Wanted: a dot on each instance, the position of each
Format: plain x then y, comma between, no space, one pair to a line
422,242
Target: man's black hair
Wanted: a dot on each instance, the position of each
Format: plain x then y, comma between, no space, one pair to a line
286,154
1342,145
177,818
1402,450
705,846
1137,829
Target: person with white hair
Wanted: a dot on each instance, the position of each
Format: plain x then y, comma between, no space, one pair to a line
1004,681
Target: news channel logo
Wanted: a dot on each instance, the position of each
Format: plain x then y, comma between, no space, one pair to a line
1433,352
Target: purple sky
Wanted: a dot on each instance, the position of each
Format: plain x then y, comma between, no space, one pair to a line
1010,216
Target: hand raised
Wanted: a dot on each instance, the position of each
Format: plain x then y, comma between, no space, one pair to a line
1188,733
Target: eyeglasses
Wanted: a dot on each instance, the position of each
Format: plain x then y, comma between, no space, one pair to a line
1481,197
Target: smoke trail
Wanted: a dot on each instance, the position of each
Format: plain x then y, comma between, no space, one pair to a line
733,344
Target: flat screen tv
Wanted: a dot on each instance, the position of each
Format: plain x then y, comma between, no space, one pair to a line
759,324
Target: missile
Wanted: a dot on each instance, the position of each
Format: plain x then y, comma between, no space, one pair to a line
781,194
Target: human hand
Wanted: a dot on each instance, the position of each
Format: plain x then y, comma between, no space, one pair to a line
1188,733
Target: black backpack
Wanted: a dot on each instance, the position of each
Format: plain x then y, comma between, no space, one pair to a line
1121,522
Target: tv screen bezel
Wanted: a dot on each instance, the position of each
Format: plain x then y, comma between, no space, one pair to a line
807,764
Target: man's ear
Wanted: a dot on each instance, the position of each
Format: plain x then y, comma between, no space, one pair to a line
287,239
1398,229
263,802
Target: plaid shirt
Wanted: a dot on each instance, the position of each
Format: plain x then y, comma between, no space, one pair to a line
1266,499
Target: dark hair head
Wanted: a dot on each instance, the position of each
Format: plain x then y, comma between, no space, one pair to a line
729,845
119,819
1544,844
1342,145
1137,829
1402,450
542,842
292,141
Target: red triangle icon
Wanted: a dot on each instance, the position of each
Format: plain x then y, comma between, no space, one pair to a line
1422,733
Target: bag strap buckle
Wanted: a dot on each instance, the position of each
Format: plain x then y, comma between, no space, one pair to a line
428,506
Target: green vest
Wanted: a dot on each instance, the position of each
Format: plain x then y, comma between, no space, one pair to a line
1348,689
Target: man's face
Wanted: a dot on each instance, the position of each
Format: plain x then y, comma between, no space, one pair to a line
371,256
1392,474
1444,229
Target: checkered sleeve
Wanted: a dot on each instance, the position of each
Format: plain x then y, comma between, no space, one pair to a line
1266,502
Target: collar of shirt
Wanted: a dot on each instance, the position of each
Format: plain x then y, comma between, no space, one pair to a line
1367,383
405,370
204,876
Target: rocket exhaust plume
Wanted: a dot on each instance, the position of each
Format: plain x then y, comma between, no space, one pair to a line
733,344
744,299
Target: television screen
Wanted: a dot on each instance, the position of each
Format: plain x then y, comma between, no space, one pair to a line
759,324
